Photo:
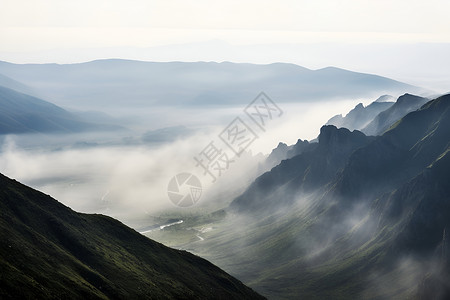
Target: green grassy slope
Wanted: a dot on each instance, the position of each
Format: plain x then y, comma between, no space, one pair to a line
49,251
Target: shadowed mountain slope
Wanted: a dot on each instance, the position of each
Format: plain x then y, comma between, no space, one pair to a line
48,251
21,113
360,116
404,104
354,216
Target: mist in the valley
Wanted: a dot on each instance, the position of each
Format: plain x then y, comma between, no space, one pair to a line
125,173
313,238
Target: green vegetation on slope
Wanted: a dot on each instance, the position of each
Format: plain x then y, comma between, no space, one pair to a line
49,251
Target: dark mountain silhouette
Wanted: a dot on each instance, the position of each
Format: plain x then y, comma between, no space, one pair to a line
48,251
387,118
283,151
315,166
21,113
360,116
278,154
353,216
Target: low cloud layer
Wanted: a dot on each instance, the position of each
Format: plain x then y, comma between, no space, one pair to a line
108,174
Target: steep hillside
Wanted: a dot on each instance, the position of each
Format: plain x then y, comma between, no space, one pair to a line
48,251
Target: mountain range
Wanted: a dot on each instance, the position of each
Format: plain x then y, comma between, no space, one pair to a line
349,217
377,117
360,213
394,186
385,119
117,83
360,116
373,119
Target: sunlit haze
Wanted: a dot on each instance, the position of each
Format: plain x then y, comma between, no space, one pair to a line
403,40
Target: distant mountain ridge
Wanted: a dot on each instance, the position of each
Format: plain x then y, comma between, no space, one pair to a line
137,84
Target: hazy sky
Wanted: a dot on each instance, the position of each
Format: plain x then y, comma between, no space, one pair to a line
92,23
254,31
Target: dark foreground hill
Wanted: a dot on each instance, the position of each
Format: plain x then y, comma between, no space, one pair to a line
48,251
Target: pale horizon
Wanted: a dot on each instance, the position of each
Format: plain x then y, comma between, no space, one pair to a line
404,40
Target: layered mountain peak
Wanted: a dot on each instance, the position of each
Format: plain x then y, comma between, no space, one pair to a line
331,137
298,148
277,154
283,151
360,115
281,147
385,98
359,106
317,164
377,117
385,119
408,98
